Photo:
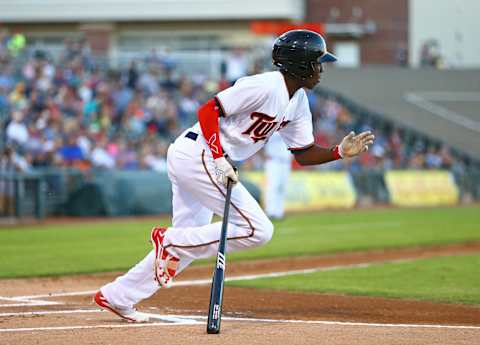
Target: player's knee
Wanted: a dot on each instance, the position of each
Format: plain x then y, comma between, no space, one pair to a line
265,232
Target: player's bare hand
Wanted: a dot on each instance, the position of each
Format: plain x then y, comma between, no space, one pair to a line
352,145
224,171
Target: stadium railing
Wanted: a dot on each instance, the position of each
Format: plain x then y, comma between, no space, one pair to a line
69,192
468,183
37,194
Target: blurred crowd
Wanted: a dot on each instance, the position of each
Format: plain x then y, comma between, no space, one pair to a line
72,112
394,148
69,112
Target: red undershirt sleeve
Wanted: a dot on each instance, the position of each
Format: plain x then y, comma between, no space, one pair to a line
208,117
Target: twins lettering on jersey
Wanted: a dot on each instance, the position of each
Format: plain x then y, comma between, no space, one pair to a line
262,126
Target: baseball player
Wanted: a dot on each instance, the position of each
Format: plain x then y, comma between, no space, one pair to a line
278,163
233,125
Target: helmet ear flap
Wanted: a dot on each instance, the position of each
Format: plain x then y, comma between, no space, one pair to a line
289,61
312,67
300,71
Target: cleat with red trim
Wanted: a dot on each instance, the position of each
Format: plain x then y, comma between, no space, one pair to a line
128,314
165,266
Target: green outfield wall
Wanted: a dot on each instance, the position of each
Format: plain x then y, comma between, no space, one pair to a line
67,192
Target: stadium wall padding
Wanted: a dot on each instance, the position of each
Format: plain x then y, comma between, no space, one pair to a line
127,193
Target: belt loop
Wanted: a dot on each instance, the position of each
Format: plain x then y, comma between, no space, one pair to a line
191,135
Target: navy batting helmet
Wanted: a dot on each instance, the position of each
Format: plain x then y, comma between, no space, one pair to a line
296,51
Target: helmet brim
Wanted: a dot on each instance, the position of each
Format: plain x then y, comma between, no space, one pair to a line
327,57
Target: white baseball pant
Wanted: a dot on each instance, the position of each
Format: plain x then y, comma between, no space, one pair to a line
196,197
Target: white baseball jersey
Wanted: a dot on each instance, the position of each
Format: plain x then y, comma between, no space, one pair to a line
257,106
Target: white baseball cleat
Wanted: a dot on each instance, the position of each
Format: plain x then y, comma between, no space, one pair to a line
165,265
128,314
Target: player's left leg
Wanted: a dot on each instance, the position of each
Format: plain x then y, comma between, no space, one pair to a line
192,167
138,283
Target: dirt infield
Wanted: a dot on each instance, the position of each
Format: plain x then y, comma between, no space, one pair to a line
60,311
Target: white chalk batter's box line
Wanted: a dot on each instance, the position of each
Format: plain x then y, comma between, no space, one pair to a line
189,320
183,320
34,300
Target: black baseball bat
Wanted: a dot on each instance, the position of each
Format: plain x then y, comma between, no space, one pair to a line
216,293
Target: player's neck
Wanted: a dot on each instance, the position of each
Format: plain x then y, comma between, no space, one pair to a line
292,84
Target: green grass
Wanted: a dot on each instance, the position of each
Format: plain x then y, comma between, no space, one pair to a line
328,232
72,248
445,279
117,245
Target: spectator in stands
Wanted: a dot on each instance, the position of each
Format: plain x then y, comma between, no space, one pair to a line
396,147
115,148
10,164
153,156
55,111
17,131
236,65
6,77
129,159
446,156
188,103
121,97
7,169
100,156
132,75
70,151
4,105
432,159
417,159
3,44
18,98
135,118
148,81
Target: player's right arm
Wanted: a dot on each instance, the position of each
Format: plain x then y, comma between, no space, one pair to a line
244,97
208,118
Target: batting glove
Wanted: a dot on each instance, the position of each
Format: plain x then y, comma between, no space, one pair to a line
352,145
224,171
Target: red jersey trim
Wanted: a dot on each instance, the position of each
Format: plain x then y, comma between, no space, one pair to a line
220,105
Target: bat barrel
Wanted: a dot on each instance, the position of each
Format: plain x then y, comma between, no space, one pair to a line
216,299
216,293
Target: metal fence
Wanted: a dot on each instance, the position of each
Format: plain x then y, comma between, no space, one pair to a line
468,183
37,194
